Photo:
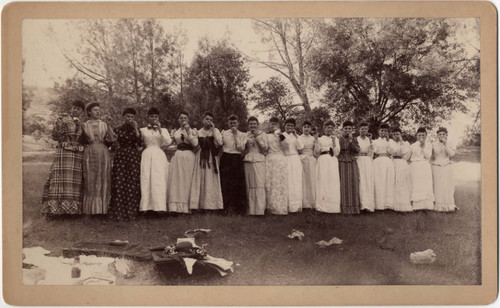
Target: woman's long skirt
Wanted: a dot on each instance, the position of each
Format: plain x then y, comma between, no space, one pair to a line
232,178
206,193
383,175
349,187
444,188
308,182
154,179
294,167
125,184
276,184
327,184
97,179
422,195
180,178
402,186
63,190
255,178
366,183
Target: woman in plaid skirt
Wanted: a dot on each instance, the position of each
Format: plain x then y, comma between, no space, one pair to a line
62,192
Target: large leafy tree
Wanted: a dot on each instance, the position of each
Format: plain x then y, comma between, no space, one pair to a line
216,81
400,71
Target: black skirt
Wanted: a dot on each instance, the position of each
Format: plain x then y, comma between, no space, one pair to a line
232,178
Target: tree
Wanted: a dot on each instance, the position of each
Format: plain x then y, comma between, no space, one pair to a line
73,89
394,70
291,42
216,81
274,98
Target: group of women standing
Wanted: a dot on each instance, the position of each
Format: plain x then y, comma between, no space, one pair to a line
254,172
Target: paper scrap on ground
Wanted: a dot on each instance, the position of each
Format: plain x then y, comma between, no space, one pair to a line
334,240
197,232
189,264
423,257
296,234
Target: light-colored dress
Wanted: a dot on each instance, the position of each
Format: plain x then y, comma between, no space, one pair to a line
422,195
327,175
383,174
400,152
443,177
365,166
206,191
308,172
276,176
97,167
154,169
180,175
291,146
255,173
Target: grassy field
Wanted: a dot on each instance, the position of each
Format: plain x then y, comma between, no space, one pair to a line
267,257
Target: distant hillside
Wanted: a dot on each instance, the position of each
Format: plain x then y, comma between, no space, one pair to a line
41,97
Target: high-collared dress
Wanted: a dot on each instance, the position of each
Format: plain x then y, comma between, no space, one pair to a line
154,169
276,175
126,175
63,190
422,195
308,172
232,172
291,146
180,175
400,152
327,175
349,176
97,167
206,193
443,177
383,174
255,173
365,167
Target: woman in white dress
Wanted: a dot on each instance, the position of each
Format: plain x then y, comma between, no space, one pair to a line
154,164
383,170
276,171
291,147
442,172
422,195
365,166
206,191
180,175
308,167
255,168
327,147
400,152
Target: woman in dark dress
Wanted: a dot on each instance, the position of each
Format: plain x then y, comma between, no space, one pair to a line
348,169
126,172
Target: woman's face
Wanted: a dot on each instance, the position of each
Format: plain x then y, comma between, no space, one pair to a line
95,113
253,125
329,130
129,118
207,121
396,136
306,129
363,130
153,118
442,135
289,127
274,125
421,136
233,123
183,118
347,130
76,111
383,132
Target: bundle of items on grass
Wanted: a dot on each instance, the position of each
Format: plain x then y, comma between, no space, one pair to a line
188,256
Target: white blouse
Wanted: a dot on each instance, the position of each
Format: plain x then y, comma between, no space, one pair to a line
155,138
419,153
232,144
380,146
291,144
401,148
324,144
308,143
365,145
441,153
275,145
208,132
192,139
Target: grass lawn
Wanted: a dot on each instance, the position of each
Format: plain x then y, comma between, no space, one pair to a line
267,257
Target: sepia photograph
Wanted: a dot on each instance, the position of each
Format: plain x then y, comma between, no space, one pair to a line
251,152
